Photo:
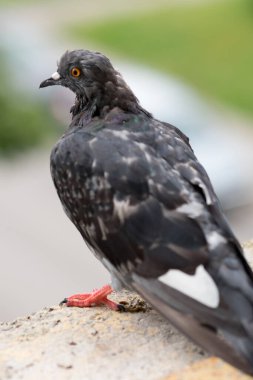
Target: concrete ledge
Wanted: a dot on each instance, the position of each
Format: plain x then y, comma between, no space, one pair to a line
97,343
209,369
94,343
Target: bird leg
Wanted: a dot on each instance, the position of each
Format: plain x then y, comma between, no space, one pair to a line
97,297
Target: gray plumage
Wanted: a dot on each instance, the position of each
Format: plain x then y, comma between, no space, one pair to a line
145,206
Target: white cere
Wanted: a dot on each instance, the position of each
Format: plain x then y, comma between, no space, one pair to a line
55,76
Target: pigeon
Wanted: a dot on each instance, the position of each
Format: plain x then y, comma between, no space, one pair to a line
146,208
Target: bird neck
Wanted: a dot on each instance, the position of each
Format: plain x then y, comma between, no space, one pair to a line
102,101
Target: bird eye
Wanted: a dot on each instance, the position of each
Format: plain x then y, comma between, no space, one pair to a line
75,72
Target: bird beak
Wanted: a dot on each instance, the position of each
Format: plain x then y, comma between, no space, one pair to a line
52,81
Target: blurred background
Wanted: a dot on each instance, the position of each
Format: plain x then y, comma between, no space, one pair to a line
189,62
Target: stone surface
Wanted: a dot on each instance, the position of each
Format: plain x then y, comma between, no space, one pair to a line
93,343
97,343
209,369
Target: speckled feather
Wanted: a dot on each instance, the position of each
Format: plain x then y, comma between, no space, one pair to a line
145,206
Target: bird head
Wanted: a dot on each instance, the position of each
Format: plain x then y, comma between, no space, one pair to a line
80,70
91,76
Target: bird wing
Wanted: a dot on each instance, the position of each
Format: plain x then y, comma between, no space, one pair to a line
139,194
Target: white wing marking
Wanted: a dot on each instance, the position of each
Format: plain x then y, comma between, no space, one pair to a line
199,286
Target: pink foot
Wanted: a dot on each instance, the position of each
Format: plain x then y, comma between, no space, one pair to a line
97,297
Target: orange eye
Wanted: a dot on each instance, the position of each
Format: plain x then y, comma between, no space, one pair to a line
75,72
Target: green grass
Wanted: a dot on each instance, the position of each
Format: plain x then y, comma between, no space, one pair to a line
208,45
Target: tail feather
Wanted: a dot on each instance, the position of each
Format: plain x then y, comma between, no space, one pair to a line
216,330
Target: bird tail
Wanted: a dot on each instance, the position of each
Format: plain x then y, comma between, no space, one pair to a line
216,330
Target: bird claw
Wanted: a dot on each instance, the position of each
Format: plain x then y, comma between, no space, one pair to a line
97,297
65,300
121,307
